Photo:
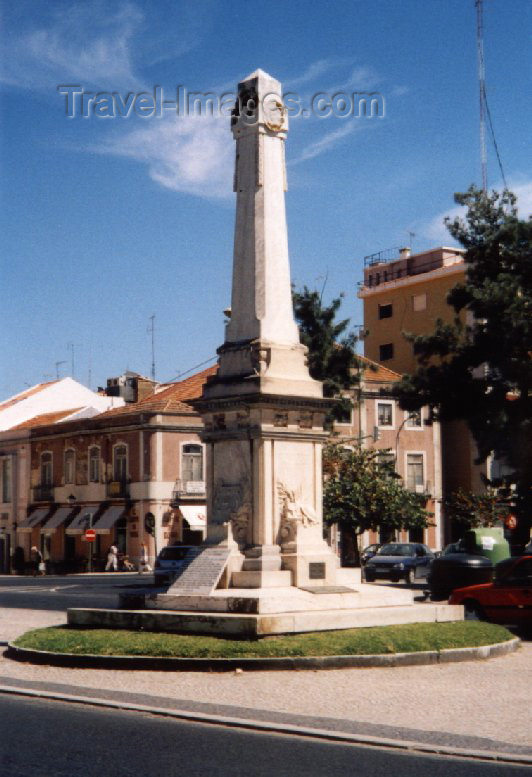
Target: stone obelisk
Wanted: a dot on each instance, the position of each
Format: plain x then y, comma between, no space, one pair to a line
263,413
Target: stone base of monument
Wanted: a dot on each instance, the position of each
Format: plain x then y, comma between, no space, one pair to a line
252,613
256,625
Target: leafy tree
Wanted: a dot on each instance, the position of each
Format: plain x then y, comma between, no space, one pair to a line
362,492
331,357
478,368
473,510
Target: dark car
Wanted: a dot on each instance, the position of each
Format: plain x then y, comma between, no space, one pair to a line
455,568
399,560
170,562
508,600
369,552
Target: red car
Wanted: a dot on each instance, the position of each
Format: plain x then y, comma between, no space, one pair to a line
508,600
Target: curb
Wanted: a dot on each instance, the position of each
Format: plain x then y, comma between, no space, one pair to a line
284,728
153,663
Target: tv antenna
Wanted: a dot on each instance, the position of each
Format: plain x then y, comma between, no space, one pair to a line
71,347
151,330
57,365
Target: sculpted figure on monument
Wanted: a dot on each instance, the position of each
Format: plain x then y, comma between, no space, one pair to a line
240,521
293,513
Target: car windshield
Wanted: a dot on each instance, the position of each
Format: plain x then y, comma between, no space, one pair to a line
396,549
173,554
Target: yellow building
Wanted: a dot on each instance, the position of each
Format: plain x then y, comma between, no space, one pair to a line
407,293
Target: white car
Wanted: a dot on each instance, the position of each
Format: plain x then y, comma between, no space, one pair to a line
170,562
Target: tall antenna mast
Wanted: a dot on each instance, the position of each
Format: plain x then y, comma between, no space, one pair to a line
151,330
482,96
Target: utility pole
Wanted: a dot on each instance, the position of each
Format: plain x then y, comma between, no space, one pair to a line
57,365
482,95
151,330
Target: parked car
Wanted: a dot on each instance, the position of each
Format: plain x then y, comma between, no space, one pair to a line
368,553
396,560
455,568
170,562
507,600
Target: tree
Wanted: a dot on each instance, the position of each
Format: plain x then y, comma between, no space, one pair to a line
331,357
362,492
478,368
474,510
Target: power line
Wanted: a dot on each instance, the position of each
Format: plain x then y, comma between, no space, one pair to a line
186,372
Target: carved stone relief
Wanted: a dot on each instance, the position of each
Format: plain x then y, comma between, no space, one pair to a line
293,513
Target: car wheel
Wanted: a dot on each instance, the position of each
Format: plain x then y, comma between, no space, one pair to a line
369,576
410,576
473,611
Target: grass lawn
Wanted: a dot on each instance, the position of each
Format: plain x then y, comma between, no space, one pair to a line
407,638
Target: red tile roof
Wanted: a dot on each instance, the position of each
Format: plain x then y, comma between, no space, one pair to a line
44,419
169,397
376,372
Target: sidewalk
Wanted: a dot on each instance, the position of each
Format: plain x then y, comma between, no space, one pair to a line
474,706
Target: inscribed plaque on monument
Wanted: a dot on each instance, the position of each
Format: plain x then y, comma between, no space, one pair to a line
227,498
316,571
202,569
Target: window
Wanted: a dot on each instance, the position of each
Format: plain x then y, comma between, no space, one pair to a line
387,462
414,420
385,352
120,463
344,412
70,466
6,480
192,462
419,302
46,469
414,472
94,464
385,414
386,311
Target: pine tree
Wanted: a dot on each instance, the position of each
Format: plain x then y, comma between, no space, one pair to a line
331,357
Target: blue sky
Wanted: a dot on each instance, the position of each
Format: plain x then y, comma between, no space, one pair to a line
106,221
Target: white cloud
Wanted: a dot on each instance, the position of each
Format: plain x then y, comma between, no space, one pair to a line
325,143
436,231
84,44
190,154
313,71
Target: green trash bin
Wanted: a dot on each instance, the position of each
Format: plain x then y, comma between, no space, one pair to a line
489,543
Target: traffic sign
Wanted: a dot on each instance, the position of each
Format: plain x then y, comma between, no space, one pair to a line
511,521
90,535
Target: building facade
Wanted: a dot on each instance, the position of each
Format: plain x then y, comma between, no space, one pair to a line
404,293
119,472
410,441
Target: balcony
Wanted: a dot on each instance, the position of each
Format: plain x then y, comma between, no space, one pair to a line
43,493
118,489
187,488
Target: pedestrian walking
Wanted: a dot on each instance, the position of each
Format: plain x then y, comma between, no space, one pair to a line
143,560
112,559
38,565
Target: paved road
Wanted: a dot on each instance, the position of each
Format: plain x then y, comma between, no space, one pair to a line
60,592
53,739
482,705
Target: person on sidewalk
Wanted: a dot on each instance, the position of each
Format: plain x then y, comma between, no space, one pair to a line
37,562
112,559
143,560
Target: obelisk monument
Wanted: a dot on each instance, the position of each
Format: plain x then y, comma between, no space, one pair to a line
263,413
